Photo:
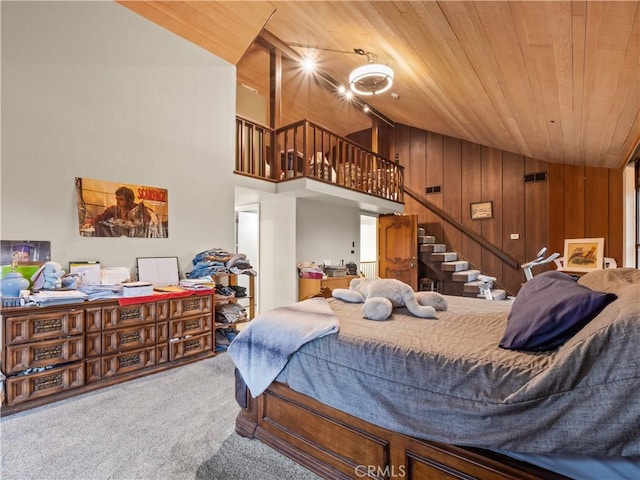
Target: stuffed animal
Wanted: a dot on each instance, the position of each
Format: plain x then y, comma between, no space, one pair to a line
381,295
48,276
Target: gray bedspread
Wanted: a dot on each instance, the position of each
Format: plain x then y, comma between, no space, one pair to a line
447,380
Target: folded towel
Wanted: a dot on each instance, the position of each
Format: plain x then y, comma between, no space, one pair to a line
262,349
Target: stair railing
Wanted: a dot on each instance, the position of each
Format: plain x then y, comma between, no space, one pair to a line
512,262
306,149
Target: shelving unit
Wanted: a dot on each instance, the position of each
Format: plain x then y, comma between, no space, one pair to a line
248,302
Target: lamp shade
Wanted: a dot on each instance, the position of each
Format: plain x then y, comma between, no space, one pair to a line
371,79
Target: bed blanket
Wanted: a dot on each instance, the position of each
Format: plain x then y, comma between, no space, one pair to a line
447,380
262,349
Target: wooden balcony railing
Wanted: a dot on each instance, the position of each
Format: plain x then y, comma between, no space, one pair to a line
305,149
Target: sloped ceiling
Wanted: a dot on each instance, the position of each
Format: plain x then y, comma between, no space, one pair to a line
557,81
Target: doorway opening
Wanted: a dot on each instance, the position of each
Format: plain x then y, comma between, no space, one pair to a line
369,245
248,242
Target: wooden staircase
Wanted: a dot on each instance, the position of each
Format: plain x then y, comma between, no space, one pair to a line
444,271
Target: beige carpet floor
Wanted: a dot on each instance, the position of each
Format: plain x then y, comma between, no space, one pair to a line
177,424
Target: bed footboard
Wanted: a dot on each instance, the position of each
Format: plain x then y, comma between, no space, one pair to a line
339,446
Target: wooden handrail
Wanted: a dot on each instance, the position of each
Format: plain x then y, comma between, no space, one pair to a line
512,262
306,149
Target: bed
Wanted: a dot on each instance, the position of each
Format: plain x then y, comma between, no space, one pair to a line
419,398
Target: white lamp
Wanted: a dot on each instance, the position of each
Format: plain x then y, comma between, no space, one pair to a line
371,79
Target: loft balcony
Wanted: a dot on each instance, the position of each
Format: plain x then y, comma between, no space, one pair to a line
305,150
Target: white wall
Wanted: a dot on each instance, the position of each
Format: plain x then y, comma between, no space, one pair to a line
327,232
277,268
91,89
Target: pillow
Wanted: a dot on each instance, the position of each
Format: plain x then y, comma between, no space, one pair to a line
549,310
610,279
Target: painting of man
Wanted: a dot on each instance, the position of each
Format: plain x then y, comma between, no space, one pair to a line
138,211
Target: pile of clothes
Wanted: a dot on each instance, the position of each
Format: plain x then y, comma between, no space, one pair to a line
230,313
224,336
216,261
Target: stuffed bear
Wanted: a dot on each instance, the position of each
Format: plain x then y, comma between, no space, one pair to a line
381,295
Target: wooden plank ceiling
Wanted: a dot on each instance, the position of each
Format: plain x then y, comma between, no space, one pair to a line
557,81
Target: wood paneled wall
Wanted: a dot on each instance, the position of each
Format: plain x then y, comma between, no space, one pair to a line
586,202
575,202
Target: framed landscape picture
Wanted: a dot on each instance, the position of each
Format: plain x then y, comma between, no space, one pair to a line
481,210
583,254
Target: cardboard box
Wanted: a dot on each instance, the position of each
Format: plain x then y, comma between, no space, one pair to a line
137,289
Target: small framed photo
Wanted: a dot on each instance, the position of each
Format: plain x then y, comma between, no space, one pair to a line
481,210
583,254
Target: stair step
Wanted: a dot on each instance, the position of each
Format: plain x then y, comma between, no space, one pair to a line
455,266
444,256
428,285
497,294
473,286
433,248
465,276
423,239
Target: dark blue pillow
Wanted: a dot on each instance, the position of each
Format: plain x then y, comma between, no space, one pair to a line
549,310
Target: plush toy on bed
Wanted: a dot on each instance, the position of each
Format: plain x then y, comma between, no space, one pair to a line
381,295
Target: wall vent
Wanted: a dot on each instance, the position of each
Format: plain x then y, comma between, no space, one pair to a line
435,189
535,177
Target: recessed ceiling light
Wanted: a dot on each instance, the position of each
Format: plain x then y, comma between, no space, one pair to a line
308,64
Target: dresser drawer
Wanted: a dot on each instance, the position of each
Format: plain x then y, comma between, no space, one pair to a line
42,354
124,316
22,329
125,362
188,307
131,338
29,387
190,326
185,347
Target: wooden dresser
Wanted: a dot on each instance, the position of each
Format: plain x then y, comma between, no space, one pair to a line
308,287
51,353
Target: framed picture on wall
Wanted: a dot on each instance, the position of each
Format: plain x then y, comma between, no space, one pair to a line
481,210
583,254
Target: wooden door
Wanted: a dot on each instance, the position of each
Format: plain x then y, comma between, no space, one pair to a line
398,244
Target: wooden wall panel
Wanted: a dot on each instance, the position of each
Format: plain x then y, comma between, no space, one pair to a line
513,215
536,213
591,208
574,210
403,150
434,177
492,191
452,190
418,150
596,201
574,202
556,208
471,164
363,137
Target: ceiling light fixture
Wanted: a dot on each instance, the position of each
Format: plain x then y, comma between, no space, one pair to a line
308,64
372,78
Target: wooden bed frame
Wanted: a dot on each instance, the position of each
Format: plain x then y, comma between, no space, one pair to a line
336,445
